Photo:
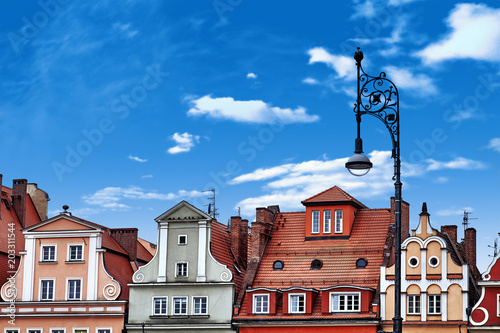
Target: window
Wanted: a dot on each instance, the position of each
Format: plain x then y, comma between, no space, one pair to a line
74,290
413,304
344,302
434,261
327,222
361,263
413,262
14,330
48,253
182,240
316,264
181,269
278,265
35,330
47,290
75,253
180,306
315,222
261,303
57,330
297,303
338,221
434,304
200,305
104,330
498,305
160,306
80,330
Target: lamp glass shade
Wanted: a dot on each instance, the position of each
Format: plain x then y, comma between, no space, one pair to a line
358,165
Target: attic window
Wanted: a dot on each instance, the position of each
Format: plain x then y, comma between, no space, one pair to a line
316,264
361,263
413,262
182,240
278,265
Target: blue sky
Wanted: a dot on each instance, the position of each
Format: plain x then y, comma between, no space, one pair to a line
121,110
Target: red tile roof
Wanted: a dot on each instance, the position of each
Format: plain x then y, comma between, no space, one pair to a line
220,246
120,269
333,194
287,243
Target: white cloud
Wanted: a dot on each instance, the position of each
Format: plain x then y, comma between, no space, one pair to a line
310,80
474,34
137,159
344,66
405,79
453,211
251,76
364,9
255,111
112,197
146,176
184,141
441,180
494,145
458,163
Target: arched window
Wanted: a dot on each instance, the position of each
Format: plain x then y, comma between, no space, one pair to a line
278,265
316,264
361,263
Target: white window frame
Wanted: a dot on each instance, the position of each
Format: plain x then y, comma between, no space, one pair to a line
40,299
179,239
290,303
498,305
153,310
429,308
345,294
409,262
12,329
193,306
42,249
52,329
30,329
313,213
437,264
68,257
327,222
411,306
80,329
339,226
173,305
68,289
110,329
177,270
254,303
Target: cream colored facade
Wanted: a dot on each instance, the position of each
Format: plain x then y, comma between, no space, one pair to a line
434,284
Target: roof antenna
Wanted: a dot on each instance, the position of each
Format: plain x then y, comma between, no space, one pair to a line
466,219
212,211
239,211
494,247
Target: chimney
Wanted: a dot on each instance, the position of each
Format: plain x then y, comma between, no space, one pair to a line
470,247
450,230
237,239
40,199
127,238
19,188
405,217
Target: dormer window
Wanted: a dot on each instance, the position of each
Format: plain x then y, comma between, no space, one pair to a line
327,221
315,222
261,303
344,302
316,264
297,303
278,265
361,263
338,221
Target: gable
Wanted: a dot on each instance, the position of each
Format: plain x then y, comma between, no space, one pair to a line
61,224
183,211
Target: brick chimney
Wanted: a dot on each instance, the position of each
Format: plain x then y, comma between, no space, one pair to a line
239,239
450,230
405,217
19,187
470,247
127,238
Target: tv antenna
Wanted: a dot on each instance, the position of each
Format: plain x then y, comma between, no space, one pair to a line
494,247
466,219
212,211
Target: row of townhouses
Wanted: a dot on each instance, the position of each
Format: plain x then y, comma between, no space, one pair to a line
329,267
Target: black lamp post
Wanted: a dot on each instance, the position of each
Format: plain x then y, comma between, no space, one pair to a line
379,97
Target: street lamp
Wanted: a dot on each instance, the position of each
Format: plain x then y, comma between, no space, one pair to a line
379,97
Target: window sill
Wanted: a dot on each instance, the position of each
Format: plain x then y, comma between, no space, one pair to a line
47,262
75,261
158,316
